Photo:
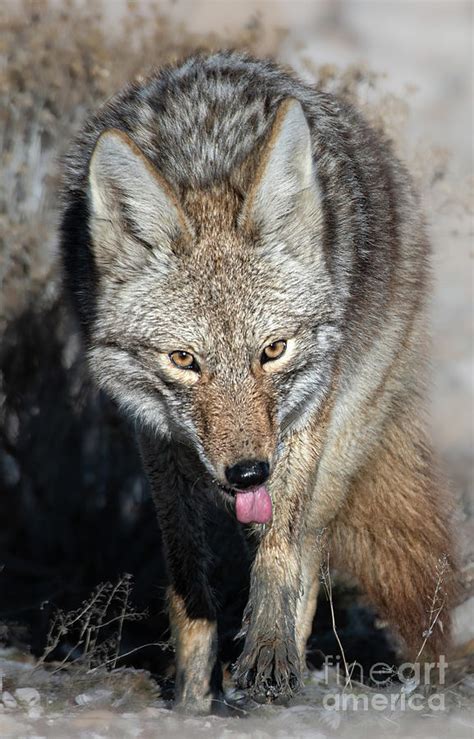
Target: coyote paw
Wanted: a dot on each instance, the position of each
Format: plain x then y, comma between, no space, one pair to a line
269,669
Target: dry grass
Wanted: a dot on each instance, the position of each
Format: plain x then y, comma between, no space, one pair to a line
92,634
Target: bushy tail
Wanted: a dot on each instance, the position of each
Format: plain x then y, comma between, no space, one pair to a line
394,536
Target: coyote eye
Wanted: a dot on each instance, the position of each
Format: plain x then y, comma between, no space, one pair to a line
184,360
273,351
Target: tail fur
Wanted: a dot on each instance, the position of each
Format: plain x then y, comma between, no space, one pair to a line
393,535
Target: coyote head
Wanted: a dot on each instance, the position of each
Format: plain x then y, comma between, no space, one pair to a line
215,318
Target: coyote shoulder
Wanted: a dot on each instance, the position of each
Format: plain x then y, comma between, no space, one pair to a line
249,265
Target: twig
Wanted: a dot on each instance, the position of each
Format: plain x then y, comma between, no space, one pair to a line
122,616
326,579
162,645
435,609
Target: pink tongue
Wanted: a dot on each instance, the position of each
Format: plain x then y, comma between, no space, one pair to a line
253,506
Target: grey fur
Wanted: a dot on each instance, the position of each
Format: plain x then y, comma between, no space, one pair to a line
280,214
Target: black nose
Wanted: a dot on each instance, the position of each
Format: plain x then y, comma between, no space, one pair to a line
247,473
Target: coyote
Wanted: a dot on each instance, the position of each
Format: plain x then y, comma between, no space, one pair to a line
249,265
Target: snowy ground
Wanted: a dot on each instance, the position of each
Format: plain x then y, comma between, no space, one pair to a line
423,49
125,703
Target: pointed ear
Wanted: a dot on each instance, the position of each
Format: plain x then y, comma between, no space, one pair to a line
285,181
131,205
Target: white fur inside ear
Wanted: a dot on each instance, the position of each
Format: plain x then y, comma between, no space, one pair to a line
286,170
122,181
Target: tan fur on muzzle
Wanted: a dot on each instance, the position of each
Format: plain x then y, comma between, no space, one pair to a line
235,423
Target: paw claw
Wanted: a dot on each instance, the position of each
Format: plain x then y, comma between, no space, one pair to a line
269,672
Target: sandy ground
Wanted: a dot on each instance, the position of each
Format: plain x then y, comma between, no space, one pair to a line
421,54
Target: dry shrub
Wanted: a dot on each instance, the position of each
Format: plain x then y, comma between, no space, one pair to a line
91,635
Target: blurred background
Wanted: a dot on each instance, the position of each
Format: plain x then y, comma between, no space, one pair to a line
74,505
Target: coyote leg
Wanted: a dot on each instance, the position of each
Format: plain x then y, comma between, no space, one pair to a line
270,665
196,650
191,606
306,606
272,659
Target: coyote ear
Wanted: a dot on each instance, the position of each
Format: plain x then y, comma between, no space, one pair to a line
285,178
130,201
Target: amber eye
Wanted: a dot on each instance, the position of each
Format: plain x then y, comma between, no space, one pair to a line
184,360
273,351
